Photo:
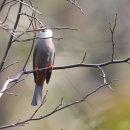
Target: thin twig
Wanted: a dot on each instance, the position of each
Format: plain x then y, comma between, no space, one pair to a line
30,39
33,18
11,37
8,93
61,28
8,12
57,28
34,35
8,2
76,4
38,29
82,65
83,58
43,101
17,77
41,24
16,82
112,37
103,75
8,81
9,66
59,107
23,32
29,6
2,5
5,86
6,28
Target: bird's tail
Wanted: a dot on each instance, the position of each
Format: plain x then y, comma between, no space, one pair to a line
37,97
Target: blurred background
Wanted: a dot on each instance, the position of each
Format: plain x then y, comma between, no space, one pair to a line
107,109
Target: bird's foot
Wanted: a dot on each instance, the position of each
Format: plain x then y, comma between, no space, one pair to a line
51,67
39,71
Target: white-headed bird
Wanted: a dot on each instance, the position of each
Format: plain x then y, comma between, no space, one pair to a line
43,56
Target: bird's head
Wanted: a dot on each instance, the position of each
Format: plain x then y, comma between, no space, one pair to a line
46,33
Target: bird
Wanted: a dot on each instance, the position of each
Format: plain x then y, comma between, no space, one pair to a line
43,56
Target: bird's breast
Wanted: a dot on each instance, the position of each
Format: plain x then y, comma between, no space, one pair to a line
44,53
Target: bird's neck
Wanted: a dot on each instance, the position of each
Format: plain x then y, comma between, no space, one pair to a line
45,34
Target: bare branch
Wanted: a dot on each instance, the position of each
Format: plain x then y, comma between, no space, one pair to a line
11,37
5,86
82,65
30,39
23,32
34,35
112,37
10,93
41,24
3,26
43,101
6,28
61,28
29,6
57,28
16,82
33,28
59,107
2,5
76,4
9,66
17,78
8,12
83,58
8,2
103,75
8,81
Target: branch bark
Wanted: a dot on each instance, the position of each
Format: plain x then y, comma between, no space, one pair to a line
11,37
58,108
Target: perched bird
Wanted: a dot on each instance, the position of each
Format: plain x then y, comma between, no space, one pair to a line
43,56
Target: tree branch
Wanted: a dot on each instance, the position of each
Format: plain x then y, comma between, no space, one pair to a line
76,4
58,108
11,37
17,78
2,5
8,12
112,37
9,66
21,2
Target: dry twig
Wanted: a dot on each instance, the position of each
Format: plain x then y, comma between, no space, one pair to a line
76,4
58,108
112,37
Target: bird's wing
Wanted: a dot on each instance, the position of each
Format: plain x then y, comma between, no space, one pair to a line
48,75
34,54
54,58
